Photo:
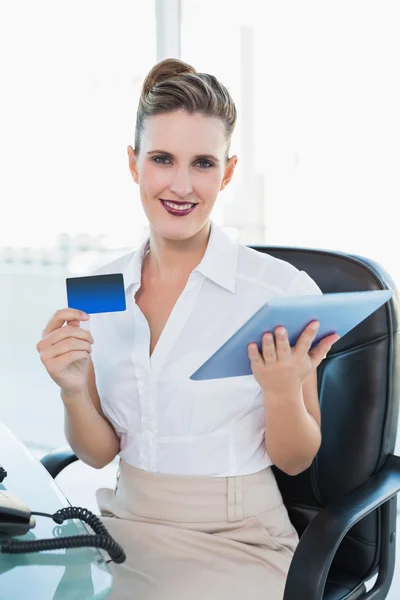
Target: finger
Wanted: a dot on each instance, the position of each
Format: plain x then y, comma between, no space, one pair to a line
74,323
255,357
306,338
63,347
62,333
65,360
62,315
322,348
268,347
283,349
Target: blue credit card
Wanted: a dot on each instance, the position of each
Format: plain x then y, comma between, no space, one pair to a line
97,293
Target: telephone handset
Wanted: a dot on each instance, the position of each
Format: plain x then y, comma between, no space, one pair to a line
15,517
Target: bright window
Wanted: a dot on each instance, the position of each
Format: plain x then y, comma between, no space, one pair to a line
317,91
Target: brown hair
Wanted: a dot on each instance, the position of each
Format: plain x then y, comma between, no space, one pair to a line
174,85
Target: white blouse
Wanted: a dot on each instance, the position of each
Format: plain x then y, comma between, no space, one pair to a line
168,423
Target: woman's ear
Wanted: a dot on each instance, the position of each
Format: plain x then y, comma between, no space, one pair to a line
133,164
229,170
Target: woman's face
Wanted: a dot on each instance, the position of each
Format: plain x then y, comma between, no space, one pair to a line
180,169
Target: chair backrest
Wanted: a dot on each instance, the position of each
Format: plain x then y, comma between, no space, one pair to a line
359,388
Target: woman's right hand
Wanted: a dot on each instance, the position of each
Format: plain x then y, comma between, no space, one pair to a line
65,351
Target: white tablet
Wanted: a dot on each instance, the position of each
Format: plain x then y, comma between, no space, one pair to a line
336,313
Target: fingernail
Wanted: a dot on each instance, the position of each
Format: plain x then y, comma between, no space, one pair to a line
85,317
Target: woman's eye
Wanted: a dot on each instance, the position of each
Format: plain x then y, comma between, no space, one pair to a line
205,164
160,159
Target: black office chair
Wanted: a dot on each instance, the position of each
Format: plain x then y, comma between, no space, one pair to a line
344,505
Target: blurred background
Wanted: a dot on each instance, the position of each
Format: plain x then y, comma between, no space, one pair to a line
316,86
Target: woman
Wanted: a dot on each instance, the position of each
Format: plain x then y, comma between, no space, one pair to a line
196,505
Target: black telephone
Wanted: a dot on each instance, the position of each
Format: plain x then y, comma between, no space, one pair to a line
16,519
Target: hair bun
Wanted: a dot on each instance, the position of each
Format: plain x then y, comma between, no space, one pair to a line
169,67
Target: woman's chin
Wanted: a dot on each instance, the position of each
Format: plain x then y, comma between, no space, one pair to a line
178,231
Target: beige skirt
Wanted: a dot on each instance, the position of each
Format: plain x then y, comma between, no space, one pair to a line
192,538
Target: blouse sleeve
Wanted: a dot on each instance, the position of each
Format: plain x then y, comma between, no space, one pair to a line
302,285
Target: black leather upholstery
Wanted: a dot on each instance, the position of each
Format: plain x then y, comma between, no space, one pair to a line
359,397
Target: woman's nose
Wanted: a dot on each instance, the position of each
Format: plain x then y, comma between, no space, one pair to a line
181,184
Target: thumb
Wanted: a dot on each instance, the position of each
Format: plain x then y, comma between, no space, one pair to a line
321,350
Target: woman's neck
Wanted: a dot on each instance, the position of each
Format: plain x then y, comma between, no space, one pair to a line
170,260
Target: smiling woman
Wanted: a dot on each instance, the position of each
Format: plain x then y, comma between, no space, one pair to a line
178,174
195,488
181,157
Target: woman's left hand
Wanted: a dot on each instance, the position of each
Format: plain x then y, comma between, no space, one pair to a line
281,369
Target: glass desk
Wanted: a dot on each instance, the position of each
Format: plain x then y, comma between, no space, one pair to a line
70,574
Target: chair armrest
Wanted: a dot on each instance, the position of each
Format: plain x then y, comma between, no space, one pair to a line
318,545
58,459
